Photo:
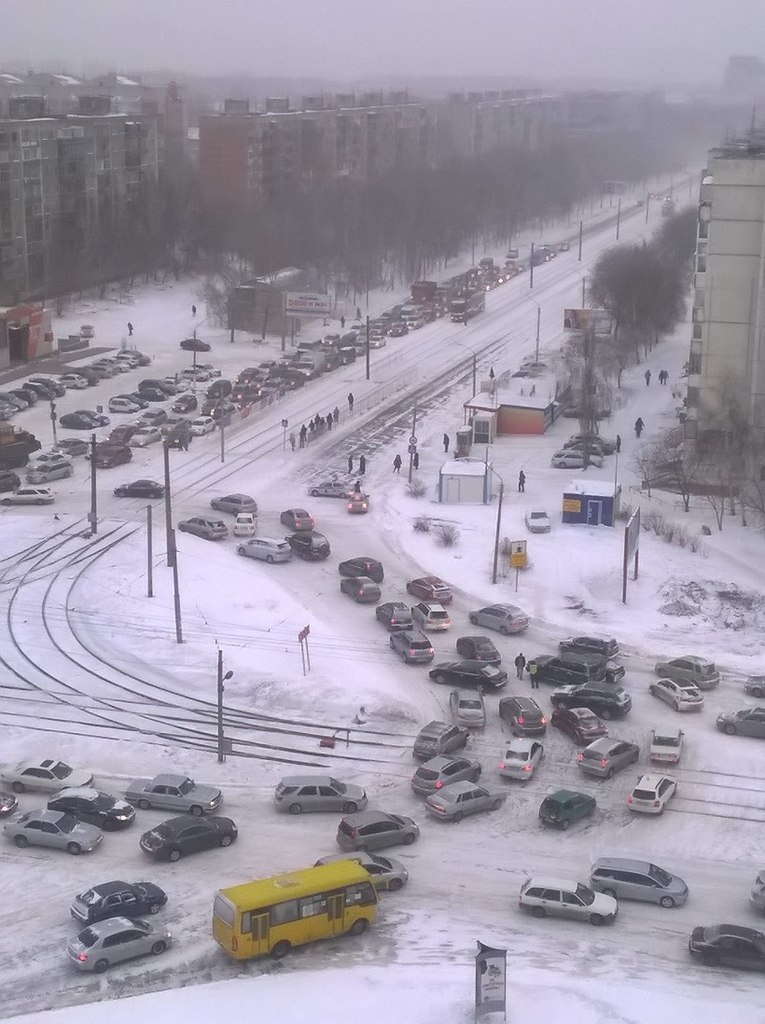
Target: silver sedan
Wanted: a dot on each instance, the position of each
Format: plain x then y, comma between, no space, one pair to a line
387,873
109,942
520,758
54,829
468,708
453,802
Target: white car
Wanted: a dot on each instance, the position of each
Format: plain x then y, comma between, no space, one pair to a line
119,404
49,776
430,616
245,524
130,359
574,460
537,521
680,696
652,794
29,495
521,758
563,897
468,708
666,744
144,436
195,373
266,549
74,381
202,425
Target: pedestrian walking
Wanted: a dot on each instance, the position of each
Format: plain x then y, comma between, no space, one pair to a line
532,670
328,421
397,464
362,465
293,439
311,428
130,329
647,376
639,426
336,414
520,665
350,463
446,442
618,443
358,312
193,310
522,482
350,401
357,487
303,433
665,375
416,460
342,323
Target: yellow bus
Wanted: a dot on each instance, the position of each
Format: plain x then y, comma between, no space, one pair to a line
273,914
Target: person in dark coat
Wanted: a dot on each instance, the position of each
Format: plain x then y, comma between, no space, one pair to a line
336,414
639,426
416,460
397,464
328,421
618,443
302,434
358,312
362,465
130,328
647,376
522,482
350,463
350,401
342,323
193,310
357,487
520,665
446,442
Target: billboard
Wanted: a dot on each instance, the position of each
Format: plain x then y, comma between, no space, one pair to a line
631,550
306,304
614,188
490,980
597,320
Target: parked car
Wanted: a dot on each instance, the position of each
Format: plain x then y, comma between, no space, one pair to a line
144,436
581,724
728,945
505,618
453,803
174,793
16,402
245,525
666,744
680,696
563,897
478,648
195,345
606,701
152,393
606,756
140,489
468,708
266,549
235,503
431,616
361,589
8,804
537,521
54,830
607,444
412,646
93,807
375,830
58,389
569,459
122,434
520,758
109,942
387,873
29,495
299,793
153,418
47,776
123,404
398,329
566,806
330,489
185,403
79,421
117,899
690,669
567,669
652,794
297,519
523,715
75,381
43,473
755,686
430,588
444,770
310,546
178,837
207,529
10,481
629,879
394,615
202,425
439,738
605,646
71,446
757,895
469,673
749,722
363,566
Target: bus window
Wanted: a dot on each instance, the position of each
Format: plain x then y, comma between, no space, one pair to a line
284,912
313,905
359,895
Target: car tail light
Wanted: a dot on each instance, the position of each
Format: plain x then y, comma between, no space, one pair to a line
580,757
412,654
502,765
630,799
82,957
521,720
527,767
657,803
439,784
544,720
603,762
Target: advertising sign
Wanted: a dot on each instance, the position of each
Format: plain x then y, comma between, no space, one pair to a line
306,304
518,554
631,550
490,980
597,320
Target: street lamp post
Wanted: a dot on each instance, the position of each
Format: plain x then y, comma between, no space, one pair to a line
221,679
499,523
475,363
539,317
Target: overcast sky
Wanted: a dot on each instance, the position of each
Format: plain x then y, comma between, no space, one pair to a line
658,40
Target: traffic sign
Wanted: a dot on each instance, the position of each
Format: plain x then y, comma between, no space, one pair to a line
413,439
285,423
412,449
303,634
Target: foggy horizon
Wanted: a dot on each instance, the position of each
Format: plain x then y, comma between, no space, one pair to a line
341,41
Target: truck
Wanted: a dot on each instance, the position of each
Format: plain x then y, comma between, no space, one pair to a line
16,446
423,291
467,306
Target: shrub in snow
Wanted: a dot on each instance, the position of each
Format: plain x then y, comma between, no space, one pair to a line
416,487
447,535
422,524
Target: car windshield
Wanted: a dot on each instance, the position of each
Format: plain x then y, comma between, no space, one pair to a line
660,875
470,705
90,897
103,802
516,755
538,515
706,669
427,774
644,794
186,787
667,741
587,896
592,755
61,770
433,614
66,823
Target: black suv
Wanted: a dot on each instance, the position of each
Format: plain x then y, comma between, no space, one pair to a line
566,669
523,715
478,648
605,646
309,545
606,701
363,566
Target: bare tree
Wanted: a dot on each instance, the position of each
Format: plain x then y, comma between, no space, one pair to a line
670,465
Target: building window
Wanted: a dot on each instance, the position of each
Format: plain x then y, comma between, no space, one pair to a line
693,398
694,364
701,263
697,332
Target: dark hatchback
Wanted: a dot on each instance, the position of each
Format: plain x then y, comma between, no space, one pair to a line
309,545
469,673
478,648
523,715
10,481
394,615
117,899
606,701
581,724
178,837
729,945
363,566
94,808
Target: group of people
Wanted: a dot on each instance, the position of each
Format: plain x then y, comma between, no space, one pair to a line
315,427
663,377
521,664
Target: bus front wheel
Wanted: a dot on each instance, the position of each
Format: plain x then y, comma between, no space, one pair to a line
280,950
359,927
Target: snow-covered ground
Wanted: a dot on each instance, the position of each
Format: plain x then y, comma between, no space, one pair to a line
87,655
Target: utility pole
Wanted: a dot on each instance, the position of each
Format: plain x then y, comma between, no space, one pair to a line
176,590
618,217
496,536
53,418
93,489
413,443
149,555
221,679
475,374
367,347
647,206
531,267
539,317
584,292
168,505
581,231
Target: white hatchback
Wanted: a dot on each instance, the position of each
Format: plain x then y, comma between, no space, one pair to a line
265,549
563,897
521,758
652,794
202,425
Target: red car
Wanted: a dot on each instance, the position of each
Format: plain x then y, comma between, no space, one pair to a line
581,724
430,588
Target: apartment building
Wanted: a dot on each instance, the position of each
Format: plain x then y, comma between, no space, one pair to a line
726,369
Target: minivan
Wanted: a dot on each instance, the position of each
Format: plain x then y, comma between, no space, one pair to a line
628,879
